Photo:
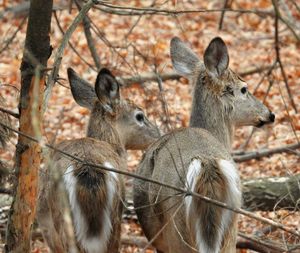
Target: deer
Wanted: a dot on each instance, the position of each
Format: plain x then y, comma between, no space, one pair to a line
198,159
94,196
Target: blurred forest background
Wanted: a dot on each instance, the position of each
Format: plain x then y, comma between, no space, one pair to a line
132,38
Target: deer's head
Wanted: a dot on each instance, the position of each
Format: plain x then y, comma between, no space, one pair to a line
110,113
217,86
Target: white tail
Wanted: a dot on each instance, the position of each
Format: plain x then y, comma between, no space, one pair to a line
94,195
198,158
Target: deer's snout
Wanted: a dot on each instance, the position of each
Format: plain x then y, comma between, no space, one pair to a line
272,117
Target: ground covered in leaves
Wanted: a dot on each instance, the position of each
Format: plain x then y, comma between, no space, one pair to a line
131,45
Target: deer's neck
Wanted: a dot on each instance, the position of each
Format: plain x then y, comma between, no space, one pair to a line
101,127
210,113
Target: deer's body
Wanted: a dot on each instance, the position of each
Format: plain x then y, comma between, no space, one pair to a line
94,195
198,159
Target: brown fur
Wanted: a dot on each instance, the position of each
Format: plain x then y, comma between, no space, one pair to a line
212,184
220,103
105,143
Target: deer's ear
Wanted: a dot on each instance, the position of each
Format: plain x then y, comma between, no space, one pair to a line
184,60
82,91
216,58
107,88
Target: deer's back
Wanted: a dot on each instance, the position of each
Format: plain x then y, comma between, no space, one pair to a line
174,151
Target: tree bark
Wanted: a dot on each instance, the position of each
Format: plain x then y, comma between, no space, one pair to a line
36,53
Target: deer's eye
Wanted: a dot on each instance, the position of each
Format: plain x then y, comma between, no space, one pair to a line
244,90
140,117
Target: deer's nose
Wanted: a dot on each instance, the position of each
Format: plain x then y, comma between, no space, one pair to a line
272,117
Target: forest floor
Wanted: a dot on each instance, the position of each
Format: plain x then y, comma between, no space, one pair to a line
131,45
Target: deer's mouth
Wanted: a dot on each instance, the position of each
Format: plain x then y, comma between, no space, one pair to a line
261,123
264,122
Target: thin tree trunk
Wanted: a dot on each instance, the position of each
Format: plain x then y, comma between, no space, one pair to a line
36,53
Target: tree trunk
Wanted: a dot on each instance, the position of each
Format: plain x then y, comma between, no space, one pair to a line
36,53
272,193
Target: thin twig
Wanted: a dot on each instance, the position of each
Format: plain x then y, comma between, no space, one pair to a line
10,40
71,45
163,101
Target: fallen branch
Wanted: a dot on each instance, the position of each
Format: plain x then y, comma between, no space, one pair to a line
257,244
265,152
272,193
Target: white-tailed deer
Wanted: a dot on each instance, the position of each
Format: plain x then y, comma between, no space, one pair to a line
94,195
198,158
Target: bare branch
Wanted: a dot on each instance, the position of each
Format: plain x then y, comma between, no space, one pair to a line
89,38
58,56
131,11
289,23
172,75
10,40
71,45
